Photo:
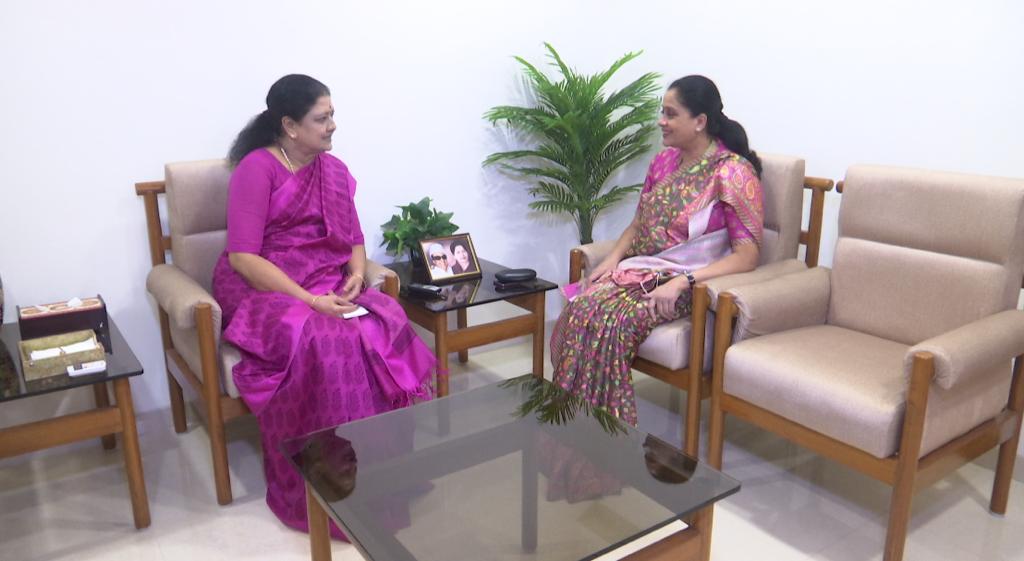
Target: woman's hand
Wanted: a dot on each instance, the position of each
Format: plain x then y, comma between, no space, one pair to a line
602,268
352,288
331,304
662,300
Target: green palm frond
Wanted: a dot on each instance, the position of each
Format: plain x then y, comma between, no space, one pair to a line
581,136
553,405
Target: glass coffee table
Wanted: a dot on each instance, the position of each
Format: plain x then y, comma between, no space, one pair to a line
521,470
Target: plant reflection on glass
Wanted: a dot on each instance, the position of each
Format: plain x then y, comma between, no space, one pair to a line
555,406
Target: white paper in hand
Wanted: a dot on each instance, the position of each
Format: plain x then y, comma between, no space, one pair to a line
360,311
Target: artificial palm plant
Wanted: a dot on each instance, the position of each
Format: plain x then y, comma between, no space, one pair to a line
582,137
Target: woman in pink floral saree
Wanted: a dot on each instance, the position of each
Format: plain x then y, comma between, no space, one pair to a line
293,266
700,216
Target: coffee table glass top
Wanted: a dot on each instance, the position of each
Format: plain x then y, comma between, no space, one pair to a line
513,470
463,294
120,359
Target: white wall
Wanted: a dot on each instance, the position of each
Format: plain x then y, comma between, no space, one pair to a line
96,96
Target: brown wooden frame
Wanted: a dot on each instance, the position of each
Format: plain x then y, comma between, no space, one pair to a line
698,387
217,407
904,471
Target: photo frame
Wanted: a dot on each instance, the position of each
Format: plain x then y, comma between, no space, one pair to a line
450,258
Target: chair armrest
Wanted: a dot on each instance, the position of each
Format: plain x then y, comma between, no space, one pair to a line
178,294
376,275
763,273
783,303
974,348
586,257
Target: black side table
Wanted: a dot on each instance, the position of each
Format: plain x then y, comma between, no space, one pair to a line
432,314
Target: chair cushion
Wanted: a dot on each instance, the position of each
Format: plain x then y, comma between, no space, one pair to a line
669,344
920,252
841,383
197,215
782,180
909,295
229,357
186,342
855,390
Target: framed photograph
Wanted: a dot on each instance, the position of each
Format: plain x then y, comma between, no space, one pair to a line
451,258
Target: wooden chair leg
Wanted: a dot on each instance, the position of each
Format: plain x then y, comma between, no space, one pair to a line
211,393
910,449
177,405
219,452
691,432
173,388
723,338
1008,449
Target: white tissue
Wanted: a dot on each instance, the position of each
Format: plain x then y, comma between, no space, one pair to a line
81,346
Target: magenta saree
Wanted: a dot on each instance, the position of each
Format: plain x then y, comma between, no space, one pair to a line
302,370
687,218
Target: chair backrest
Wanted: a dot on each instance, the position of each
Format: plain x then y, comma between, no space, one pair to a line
921,252
782,179
197,200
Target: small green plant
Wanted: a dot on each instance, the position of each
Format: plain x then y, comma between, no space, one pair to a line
417,222
581,137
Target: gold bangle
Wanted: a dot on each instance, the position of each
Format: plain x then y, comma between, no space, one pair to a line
362,279
312,303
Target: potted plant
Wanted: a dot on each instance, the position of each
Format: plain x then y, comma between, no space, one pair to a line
418,221
582,136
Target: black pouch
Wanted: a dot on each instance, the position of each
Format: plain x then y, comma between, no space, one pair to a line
509,276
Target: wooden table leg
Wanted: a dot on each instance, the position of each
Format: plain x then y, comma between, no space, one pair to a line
538,334
319,532
463,322
690,544
441,349
99,391
132,457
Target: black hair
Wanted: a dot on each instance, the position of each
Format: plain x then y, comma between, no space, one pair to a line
700,95
291,96
456,243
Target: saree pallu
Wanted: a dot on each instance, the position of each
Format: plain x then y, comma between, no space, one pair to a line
687,219
301,370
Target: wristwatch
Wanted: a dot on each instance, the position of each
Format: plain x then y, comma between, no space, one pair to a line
689,277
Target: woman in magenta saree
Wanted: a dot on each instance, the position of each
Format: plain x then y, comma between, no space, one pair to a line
700,216
294,263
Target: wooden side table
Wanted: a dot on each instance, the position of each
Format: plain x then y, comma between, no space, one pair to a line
104,421
432,314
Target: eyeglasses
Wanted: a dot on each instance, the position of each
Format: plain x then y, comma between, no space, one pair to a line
439,257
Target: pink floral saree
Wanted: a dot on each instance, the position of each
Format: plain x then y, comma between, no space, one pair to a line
688,218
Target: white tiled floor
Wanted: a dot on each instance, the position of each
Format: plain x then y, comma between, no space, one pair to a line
72,503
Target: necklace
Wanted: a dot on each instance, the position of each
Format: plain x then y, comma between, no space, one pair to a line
291,168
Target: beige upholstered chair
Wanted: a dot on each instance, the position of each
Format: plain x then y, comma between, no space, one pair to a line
674,350
897,362
190,319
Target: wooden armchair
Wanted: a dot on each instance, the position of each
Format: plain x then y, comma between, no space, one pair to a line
897,362
198,362
676,350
